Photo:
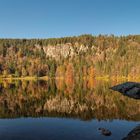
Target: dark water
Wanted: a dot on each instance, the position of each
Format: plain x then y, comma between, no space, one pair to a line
52,110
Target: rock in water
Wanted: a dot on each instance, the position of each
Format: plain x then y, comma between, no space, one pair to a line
134,134
130,89
105,132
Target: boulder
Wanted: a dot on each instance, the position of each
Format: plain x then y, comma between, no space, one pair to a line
134,134
130,89
105,132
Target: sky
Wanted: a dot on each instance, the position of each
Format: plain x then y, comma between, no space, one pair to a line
60,18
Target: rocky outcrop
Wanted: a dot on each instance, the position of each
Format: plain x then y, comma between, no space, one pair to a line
58,51
105,132
130,89
134,134
64,50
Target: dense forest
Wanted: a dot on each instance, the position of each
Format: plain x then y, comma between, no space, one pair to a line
79,56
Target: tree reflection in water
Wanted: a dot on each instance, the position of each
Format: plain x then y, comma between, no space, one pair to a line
80,99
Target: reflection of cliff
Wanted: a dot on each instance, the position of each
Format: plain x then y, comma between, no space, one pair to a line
43,99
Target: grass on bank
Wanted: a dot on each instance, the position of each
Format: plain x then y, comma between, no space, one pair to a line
12,77
105,78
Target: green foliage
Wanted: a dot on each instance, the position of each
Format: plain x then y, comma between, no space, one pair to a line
17,74
24,72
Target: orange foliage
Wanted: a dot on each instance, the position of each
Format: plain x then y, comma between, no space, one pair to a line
91,72
91,75
69,77
60,71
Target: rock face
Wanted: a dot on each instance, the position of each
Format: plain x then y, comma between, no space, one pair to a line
130,89
64,50
134,134
59,50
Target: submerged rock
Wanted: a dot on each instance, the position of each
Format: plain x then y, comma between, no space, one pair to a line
130,89
134,134
105,132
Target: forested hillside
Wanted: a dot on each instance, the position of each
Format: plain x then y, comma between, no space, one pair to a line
81,56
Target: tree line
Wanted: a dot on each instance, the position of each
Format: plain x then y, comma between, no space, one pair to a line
105,55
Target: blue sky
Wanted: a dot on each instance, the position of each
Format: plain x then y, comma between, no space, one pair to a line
58,18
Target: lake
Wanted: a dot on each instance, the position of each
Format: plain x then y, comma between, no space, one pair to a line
53,110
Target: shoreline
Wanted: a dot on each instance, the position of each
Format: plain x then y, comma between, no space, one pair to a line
105,78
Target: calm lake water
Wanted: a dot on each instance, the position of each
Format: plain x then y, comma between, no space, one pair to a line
53,110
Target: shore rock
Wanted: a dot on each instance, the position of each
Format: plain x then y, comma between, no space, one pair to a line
134,134
130,89
105,132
